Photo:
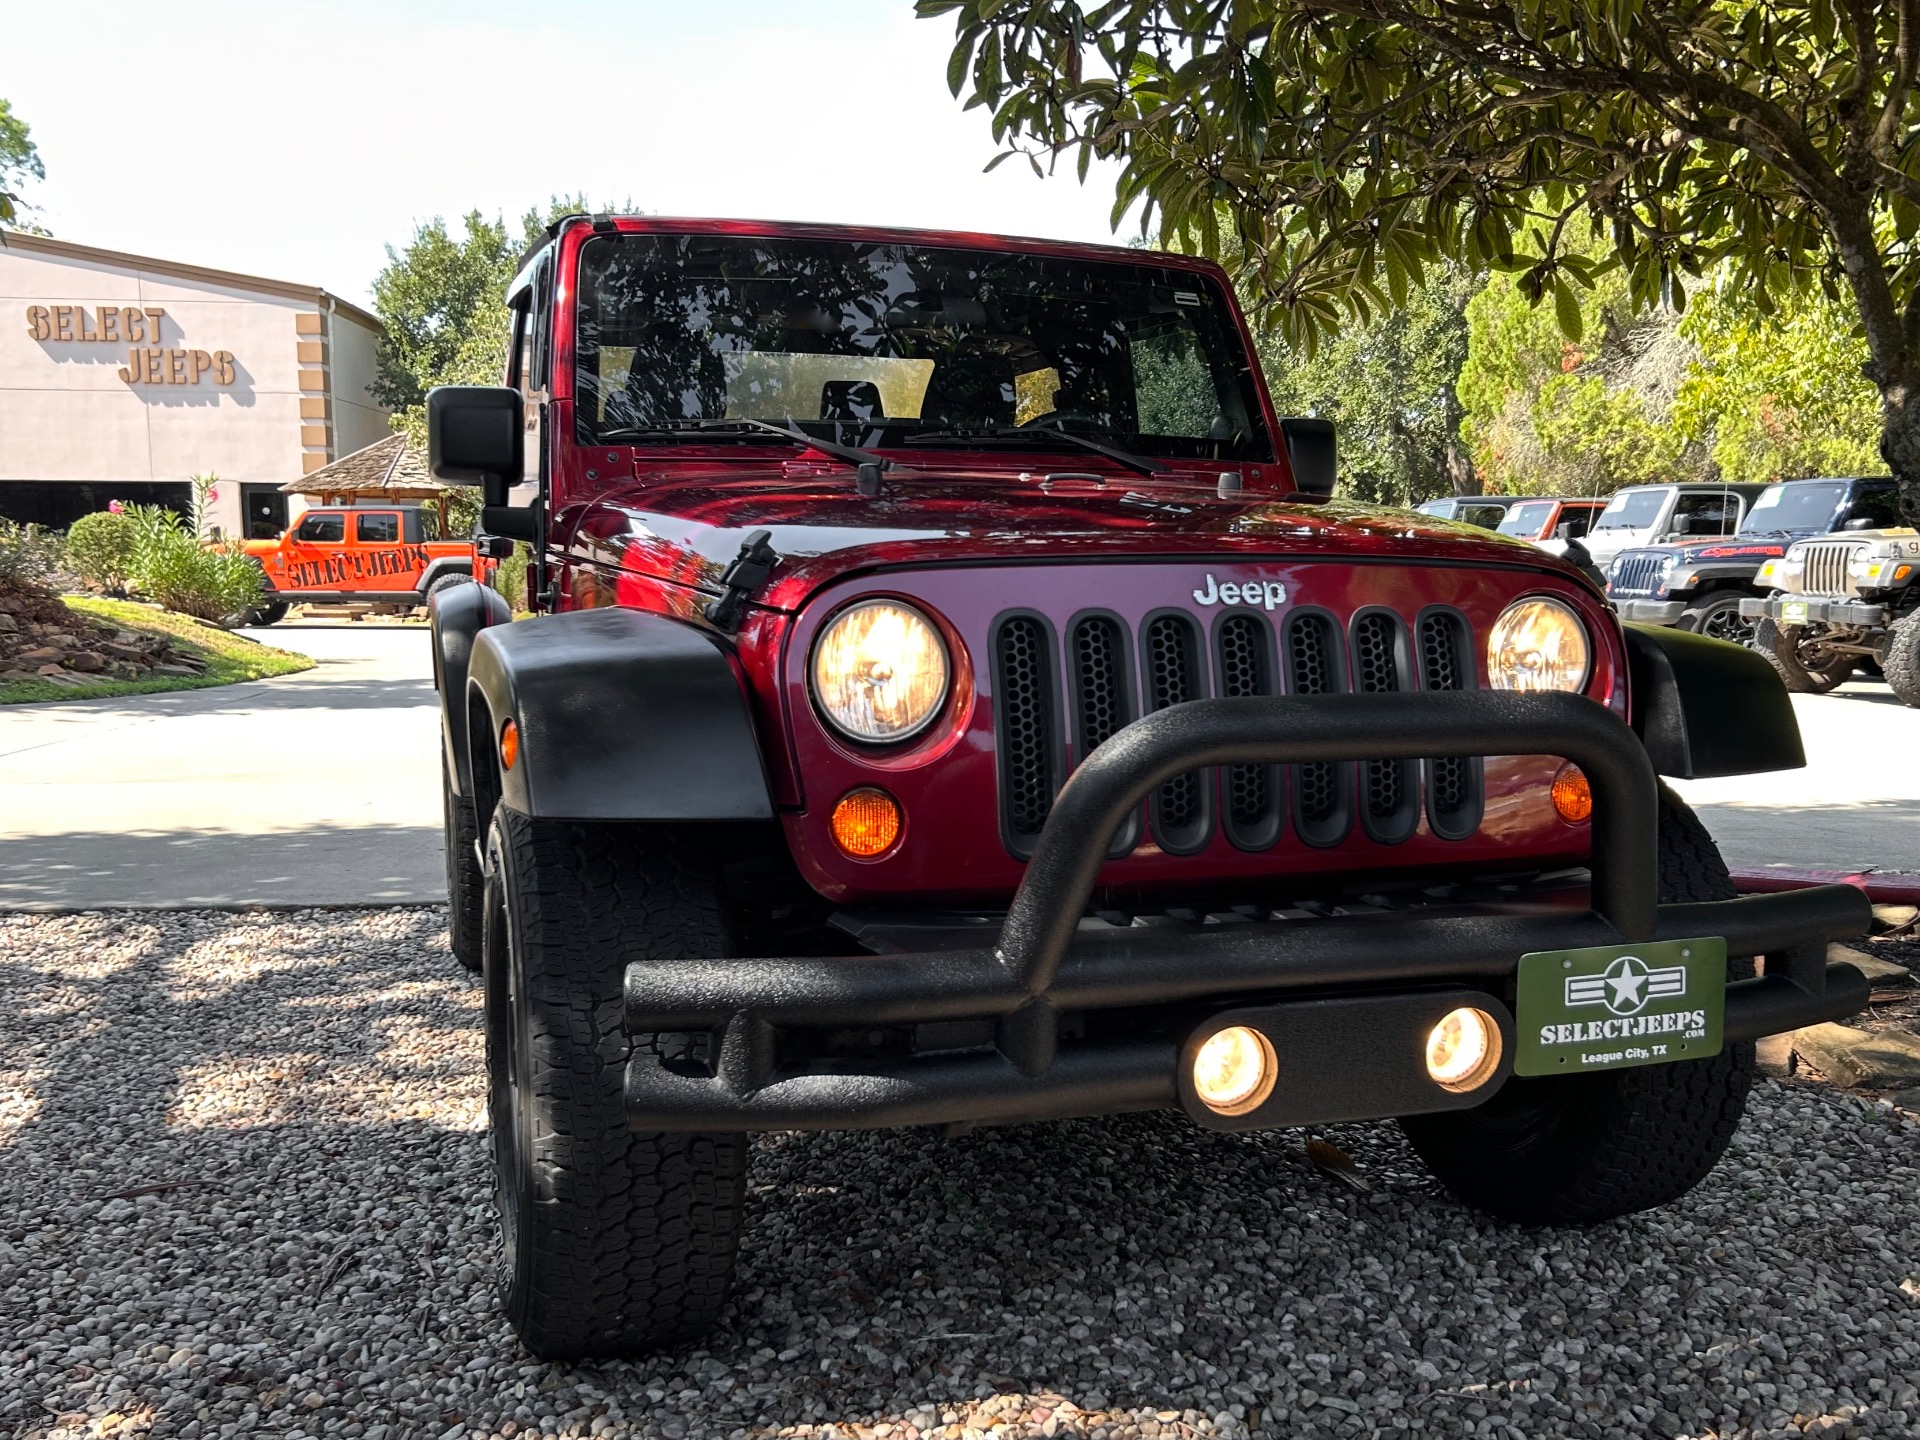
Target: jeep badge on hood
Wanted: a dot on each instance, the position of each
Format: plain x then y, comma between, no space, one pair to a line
1266,593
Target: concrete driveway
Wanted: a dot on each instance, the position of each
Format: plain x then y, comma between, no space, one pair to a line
323,788
1855,807
318,788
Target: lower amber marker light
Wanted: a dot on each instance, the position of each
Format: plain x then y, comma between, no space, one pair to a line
1463,1050
1572,795
1233,1070
509,745
866,822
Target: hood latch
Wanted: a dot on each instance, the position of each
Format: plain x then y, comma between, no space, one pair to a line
746,574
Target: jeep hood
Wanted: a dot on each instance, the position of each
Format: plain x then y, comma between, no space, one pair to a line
1728,547
685,530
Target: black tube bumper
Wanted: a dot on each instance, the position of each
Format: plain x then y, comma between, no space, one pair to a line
1818,610
1651,612
1349,998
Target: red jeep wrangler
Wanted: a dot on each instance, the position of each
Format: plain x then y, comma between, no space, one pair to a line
959,702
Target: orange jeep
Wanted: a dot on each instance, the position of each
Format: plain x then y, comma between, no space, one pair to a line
393,554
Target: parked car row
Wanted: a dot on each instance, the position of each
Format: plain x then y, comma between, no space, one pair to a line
1819,575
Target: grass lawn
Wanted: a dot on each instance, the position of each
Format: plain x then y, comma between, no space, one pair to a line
229,657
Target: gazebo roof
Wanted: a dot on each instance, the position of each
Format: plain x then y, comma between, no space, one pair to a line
385,470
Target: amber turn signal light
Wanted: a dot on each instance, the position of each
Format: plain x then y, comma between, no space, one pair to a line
866,822
1572,795
509,745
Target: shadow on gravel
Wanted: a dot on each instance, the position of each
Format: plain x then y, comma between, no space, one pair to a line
290,1108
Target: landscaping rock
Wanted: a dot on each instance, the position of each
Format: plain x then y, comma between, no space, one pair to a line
1908,1100
1774,1055
119,650
1860,1057
84,660
1894,917
172,669
1878,972
40,655
8,625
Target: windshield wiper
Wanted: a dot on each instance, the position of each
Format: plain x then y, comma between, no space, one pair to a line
743,430
1137,463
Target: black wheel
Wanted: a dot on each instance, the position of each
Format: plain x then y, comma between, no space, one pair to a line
465,888
447,582
1804,666
1559,1150
612,1243
1902,665
1717,616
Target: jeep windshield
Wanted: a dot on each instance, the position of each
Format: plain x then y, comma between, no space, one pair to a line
1799,508
888,344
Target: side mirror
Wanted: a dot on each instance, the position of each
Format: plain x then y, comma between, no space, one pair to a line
1860,522
1563,531
1311,455
476,436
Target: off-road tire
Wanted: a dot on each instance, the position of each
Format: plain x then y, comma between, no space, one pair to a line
465,880
1902,665
447,582
1576,1149
613,1242
271,613
1781,647
1717,616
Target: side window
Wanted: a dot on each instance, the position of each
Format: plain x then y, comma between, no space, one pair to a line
1577,520
1707,514
540,328
1487,517
1882,507
322,529
429,524
377,529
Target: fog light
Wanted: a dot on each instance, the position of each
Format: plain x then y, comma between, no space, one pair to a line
1233,1071
1572,795
866,822
1463,1050
509,745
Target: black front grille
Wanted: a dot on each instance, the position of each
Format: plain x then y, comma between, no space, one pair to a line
1390,788
1102,695
1170,661
1027,726
1637,572
1321,789
1109,683
1454,792
1252,793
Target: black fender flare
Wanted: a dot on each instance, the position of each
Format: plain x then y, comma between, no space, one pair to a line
622,715
443,566
459,615
1707,707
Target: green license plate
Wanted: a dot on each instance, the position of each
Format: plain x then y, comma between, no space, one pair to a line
1611,1006
1793,612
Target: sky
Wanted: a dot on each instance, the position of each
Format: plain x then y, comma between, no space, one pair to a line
296,139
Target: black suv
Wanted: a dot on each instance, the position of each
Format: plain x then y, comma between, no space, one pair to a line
1698,585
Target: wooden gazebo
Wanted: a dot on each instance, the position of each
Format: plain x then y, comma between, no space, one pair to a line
385,472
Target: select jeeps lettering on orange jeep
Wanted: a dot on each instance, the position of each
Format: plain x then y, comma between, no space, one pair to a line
391,554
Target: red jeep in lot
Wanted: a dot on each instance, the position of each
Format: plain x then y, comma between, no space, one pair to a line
959,702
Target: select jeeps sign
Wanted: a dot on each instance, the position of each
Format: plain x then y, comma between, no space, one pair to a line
1617,1005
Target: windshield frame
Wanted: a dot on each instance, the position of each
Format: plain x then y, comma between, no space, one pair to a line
1238,365
1632,492
1545,509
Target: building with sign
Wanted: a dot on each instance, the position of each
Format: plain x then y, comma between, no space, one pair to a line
122,377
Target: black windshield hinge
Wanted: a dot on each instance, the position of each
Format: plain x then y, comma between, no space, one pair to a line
746,574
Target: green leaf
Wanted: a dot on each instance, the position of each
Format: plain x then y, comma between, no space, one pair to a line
1566,309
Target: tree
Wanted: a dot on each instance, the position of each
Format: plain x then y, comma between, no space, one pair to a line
1547,416
1781,395
1351,144
1389,387
19,161
441,301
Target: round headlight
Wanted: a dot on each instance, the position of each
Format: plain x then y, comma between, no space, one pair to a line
1538,644
880,671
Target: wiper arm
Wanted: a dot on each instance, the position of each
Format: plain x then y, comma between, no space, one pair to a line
745,429
1137,463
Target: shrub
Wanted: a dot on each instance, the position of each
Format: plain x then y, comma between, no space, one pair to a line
28,555
510,576
100,550
172,567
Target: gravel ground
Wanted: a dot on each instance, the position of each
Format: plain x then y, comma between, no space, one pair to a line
244,1192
